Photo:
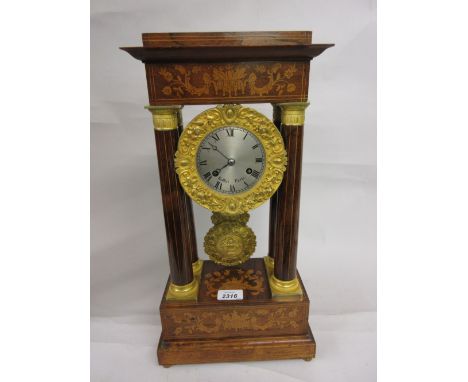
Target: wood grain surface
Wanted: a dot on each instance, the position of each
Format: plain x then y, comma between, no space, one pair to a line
223,67
227,38
208,83
274,198
179,352
176,216
190,226
227,53
212,326
288,196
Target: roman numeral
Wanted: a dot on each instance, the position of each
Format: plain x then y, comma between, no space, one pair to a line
255,174
215,136
255,146
230,132
245,136
207,176
218,185
203,163
258,160
232,188
246,183
206,148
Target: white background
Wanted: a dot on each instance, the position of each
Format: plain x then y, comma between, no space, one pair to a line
337,238
44,208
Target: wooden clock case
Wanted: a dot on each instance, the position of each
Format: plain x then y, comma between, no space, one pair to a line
271,322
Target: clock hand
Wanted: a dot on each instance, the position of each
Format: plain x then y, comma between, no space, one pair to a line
215,148
218,170
227,164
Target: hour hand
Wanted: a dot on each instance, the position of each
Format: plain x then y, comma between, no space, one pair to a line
227,164
218,170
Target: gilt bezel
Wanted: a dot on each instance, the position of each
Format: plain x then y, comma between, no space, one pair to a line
222,116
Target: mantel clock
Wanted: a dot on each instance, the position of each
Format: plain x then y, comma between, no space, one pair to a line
230,159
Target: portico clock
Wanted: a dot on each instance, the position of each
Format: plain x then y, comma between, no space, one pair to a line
230,159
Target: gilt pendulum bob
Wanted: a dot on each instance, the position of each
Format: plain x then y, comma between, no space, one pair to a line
230,159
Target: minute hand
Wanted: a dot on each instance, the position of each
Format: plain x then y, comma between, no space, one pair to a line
216,149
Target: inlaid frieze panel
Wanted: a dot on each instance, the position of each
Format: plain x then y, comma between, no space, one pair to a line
227,82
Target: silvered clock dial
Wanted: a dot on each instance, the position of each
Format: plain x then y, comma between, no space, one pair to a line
230,160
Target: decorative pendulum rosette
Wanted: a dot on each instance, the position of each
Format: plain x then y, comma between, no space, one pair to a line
230,241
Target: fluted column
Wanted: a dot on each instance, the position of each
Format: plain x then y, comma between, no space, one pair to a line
178,221
191,236
270,259
286,226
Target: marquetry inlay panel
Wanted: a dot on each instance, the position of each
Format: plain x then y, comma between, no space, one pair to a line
224,83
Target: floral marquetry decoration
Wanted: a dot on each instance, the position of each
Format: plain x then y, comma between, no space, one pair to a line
249,280
229,81
232,321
